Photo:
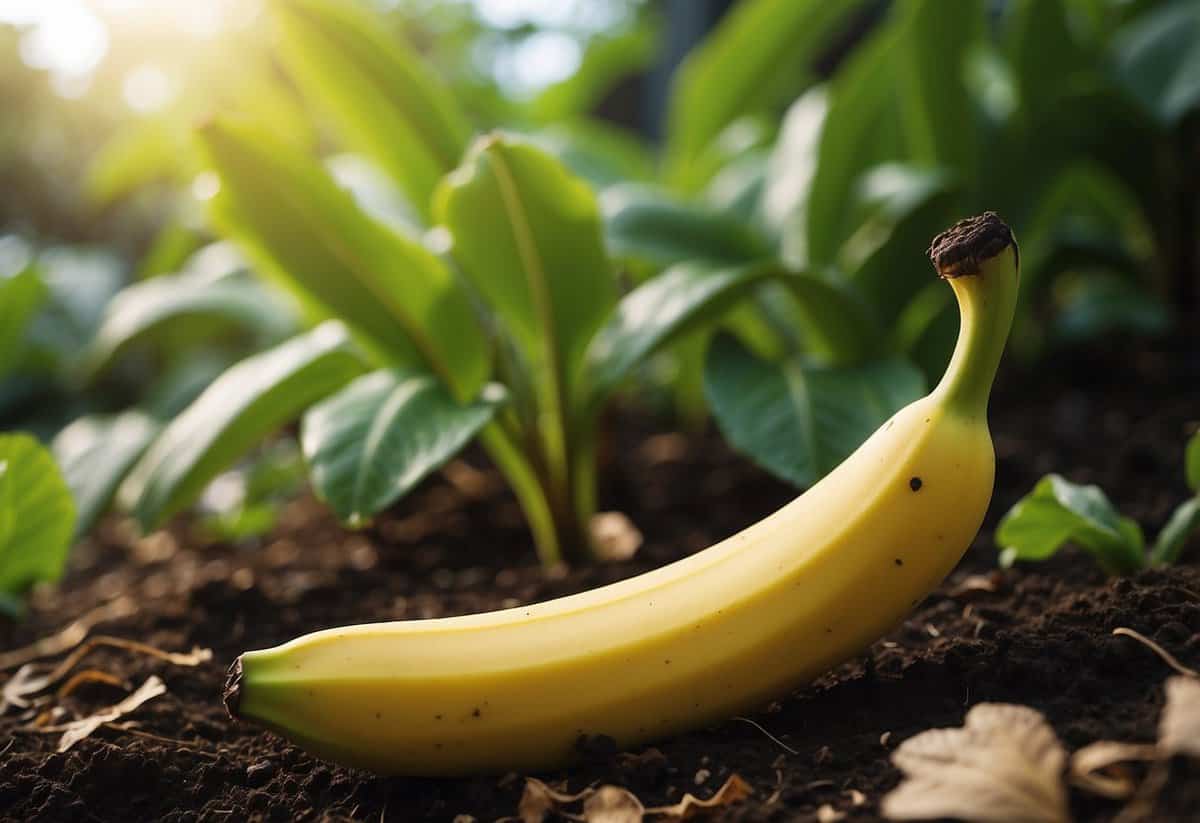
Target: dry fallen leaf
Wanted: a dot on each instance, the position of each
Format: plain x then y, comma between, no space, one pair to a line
733,790
612,804
1179,725
1092,767
25,683
1003,766
77,730
71,635
538,800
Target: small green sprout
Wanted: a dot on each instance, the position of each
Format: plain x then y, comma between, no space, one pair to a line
1058,511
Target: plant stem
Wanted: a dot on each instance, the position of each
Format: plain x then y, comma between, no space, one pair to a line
982,267
528,488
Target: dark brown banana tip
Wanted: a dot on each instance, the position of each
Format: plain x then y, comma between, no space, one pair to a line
233,689
960,249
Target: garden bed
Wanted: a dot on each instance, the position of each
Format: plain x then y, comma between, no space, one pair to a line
1041,636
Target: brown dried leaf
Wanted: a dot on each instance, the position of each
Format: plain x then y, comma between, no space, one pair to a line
89,676
1093,767
612,804
25,683
538,800
1003,766
1179,725
733,790
77,730
70,635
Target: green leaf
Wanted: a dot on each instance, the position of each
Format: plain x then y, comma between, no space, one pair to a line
169,304
790,170
661,310
303,230
372,442
1058,511
1041,45
830,320
95,454
797,421
384,101
1158,59
938,115
761,54
648,224
1191,461
861,130
527,233
1184,522
20,297
244,405
37,515
599,152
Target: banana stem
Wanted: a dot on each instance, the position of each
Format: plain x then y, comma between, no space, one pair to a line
979,257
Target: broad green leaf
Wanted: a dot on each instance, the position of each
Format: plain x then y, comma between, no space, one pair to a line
797,421
861,130
95,454
171,304
20,297
528,235
1158,59
244,405
648,224
384,101
829,318
938,115
761,54
1058,511
301,228
599,152
790,170
1184,522
1042,45
372,442
37,515
659,311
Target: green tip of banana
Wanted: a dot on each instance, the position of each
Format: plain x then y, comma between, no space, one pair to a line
695,642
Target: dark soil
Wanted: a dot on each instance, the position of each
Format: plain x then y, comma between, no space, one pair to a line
1042,638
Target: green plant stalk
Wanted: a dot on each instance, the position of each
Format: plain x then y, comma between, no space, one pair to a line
529,490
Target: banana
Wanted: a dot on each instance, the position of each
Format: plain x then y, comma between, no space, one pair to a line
717,633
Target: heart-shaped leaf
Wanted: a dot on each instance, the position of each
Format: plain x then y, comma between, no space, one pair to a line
373,441
244,405
799,421
37,515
